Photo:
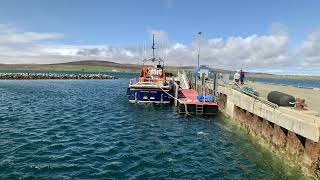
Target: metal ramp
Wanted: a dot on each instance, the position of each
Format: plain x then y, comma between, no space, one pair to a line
184,82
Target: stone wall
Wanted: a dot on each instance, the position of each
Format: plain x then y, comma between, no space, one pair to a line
301,151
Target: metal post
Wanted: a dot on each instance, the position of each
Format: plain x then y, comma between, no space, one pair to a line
199,33
215,84
202,83
195,82
176,89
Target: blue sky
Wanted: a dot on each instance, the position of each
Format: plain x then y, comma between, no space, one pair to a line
118,26
125,21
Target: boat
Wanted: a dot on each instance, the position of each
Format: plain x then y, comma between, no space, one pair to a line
152,85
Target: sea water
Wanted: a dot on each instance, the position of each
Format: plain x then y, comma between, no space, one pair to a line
86,129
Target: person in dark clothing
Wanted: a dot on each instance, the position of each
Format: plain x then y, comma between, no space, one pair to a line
241,76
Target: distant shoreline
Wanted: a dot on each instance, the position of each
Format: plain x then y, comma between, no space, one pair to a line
28,76
275,76
79,68
127,69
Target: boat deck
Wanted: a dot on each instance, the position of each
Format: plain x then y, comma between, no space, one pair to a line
189,96
189,104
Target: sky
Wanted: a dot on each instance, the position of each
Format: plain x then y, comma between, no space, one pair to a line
272,36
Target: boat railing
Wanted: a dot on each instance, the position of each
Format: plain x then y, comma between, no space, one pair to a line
134,81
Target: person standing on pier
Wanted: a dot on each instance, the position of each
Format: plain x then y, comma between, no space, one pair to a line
236,77
241,76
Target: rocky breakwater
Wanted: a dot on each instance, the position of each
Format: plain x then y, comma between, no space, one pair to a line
54,76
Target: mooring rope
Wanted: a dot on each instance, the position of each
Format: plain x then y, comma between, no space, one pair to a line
181,102
275,106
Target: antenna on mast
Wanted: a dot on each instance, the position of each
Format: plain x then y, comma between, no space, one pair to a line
153,48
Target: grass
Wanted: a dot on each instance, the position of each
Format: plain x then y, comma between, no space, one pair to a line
82,68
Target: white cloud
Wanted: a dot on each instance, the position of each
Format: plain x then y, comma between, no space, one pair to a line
244,51
233,52
309,51
268,51
10,35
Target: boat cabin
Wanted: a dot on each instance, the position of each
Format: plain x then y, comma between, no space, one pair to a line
150,74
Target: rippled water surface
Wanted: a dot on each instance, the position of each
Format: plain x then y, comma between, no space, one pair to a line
291,82
70,129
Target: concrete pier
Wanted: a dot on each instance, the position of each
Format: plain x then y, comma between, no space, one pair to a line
295,134
54,76
311,95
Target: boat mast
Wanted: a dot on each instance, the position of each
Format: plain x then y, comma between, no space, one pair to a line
153,48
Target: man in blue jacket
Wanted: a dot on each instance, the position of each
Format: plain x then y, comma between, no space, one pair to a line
241,76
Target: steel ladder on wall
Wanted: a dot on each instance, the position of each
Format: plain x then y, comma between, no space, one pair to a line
199,108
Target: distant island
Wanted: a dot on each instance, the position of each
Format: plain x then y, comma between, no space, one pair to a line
85,66
109,66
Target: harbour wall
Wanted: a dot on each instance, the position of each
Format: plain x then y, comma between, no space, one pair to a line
54,76
292,134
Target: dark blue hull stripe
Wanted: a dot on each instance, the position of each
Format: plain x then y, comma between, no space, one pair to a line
148,95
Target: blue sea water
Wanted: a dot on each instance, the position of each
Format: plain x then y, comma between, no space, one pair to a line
86,129
290,82
282,81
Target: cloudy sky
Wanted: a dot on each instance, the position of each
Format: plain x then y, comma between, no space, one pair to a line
265,36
